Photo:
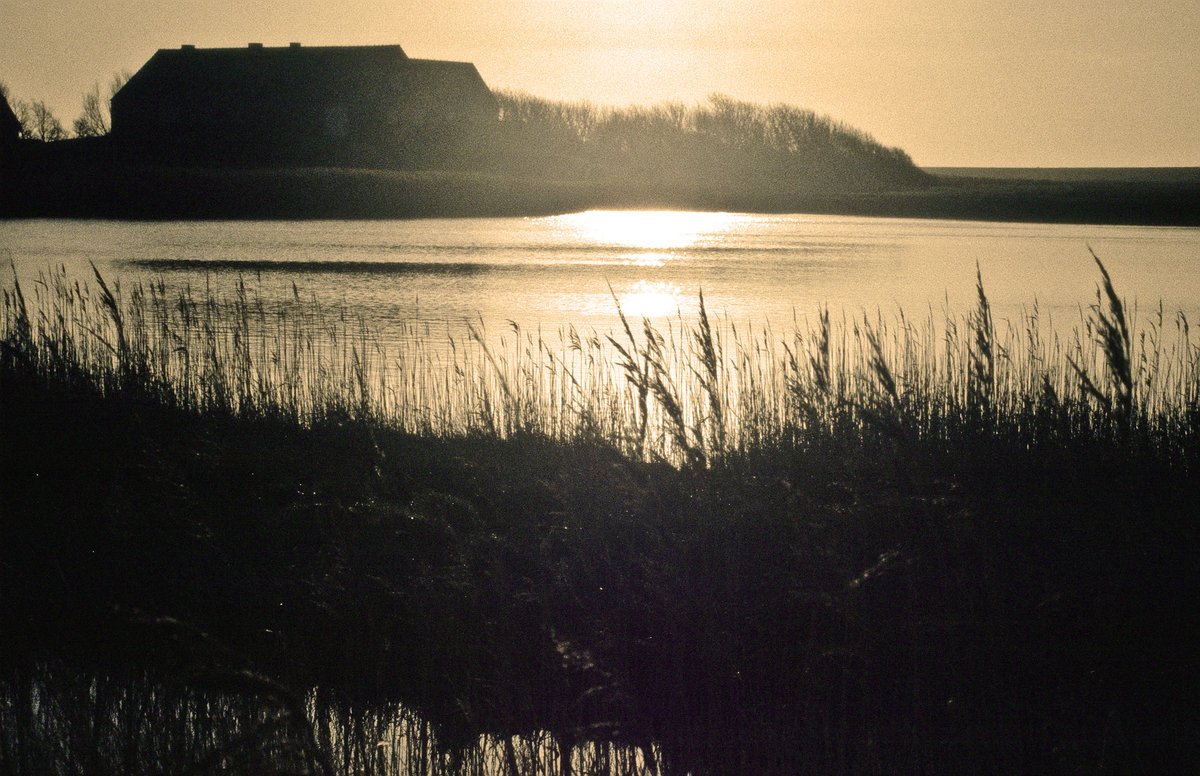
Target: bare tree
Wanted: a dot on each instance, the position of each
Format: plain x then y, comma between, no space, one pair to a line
42,123
24,113
93,121
96,118
36,121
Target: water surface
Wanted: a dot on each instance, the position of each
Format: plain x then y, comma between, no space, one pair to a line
552,271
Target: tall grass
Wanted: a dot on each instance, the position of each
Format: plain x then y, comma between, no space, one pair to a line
865,544
681,392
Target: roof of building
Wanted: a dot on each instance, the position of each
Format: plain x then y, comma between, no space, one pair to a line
10,126
293,68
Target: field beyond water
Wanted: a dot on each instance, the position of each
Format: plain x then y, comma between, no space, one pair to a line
242,537
80,183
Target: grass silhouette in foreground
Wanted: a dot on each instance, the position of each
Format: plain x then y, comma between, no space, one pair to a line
241,536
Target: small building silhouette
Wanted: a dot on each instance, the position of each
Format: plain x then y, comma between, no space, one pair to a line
10,126
360,106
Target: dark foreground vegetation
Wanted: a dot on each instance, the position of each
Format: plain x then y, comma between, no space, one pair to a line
250,538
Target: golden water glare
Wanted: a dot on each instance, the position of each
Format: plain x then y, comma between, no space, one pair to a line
652,230
653,239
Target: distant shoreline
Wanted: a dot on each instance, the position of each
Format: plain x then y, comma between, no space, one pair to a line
1073,174
85,185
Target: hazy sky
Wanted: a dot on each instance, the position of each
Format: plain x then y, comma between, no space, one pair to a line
953,82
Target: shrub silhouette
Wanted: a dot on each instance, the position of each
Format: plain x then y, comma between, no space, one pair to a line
723,142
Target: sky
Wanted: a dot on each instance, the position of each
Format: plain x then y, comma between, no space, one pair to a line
1012,83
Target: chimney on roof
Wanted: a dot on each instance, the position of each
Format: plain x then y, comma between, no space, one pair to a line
255,45
293,45
187,47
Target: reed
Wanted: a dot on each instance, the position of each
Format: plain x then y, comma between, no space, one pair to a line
866,544
681,393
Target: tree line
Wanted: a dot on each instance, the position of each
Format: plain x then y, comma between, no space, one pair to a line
721,140
36,121
721,144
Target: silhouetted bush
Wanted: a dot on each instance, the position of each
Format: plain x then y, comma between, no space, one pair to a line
724,142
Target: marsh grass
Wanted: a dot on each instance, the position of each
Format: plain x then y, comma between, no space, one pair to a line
676,392
867,544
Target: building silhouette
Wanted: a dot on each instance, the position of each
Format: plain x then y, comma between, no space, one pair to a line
346,106
10,126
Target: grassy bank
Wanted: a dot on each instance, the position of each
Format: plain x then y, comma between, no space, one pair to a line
95,183
239,535
90,179
137,192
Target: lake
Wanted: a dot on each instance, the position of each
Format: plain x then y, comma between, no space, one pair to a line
552,271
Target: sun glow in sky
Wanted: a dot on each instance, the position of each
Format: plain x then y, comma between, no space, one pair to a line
953,82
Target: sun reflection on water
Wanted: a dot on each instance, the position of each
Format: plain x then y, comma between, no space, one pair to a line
659,231
647,258
654,242
650,299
